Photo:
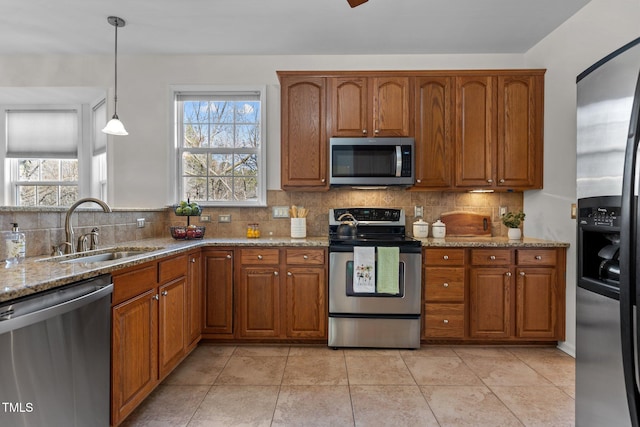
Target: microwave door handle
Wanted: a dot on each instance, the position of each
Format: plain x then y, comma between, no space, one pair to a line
398,161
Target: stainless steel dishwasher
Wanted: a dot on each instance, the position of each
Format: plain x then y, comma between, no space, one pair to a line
55,356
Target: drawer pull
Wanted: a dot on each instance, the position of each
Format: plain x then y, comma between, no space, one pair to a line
165,293
446,257
445,284
289,273
155,297
259,256
492,257
228,256
538,257
508,274
522,273
193,260
445,321
305,257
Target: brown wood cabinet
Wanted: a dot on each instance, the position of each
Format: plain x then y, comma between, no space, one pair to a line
281,294
304,144
434,109
444,293
369,106
195,300
149,329
494,294
218,293
499,131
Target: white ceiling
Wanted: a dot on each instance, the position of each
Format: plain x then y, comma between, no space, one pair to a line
279,26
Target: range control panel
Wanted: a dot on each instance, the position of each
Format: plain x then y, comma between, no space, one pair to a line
371,214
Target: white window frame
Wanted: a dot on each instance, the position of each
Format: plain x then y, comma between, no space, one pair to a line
175,167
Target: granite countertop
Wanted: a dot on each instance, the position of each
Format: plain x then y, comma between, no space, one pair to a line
37,274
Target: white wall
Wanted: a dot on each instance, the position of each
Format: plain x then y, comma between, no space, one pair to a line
595,31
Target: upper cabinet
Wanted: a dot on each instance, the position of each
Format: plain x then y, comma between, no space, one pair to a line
499,131
369,106
304,145
474,129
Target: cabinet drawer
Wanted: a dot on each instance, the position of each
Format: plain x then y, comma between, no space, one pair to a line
444,320
444,284
260,256
305,256
490,256
445,256
533,257
134,282
172,268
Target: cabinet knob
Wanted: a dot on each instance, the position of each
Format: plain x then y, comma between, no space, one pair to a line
490,181
446,257
364,131
229,256
305,257
538,257
165,293
418,181
289,273
508,274
193,260
492,257
376,131
275,273
259,256
502,181
522,273
445,285
445,321
156,297
323,180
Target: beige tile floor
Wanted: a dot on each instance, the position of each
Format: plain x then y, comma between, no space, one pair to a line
317,386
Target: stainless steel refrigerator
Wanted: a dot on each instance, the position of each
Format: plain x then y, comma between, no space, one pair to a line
608,96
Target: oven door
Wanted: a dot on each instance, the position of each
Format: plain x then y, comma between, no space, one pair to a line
343,300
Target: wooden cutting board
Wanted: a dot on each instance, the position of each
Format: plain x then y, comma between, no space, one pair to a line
466,224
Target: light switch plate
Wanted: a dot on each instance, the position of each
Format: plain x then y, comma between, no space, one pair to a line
281,211
140,222
224,218
503,210
418,211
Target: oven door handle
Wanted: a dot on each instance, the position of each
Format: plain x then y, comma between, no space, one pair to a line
398,160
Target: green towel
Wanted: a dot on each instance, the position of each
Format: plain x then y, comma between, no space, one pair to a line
388,266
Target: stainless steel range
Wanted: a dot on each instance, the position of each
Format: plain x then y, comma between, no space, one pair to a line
374,279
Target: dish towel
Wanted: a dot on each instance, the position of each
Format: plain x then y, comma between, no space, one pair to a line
388,270
364,269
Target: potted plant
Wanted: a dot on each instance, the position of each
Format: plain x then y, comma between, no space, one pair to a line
513,221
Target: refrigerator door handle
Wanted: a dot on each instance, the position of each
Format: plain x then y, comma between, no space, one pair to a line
628,261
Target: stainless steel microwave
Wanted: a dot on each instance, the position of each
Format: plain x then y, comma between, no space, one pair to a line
372,161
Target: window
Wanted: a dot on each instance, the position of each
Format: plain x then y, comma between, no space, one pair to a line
220,147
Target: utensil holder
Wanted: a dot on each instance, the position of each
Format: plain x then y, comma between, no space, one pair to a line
298,228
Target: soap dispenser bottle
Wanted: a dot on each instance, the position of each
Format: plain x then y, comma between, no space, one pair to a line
15,243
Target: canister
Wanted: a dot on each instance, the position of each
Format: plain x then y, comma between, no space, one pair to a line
420,229
438,229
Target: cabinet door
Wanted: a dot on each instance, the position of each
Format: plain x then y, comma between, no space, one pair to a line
306,302
490,302
536,303
218,299
475,128
134,365
520,127
349,106
433,118
390,106
194,299
259,302
171,329
303,126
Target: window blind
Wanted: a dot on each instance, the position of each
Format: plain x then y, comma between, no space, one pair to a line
99,121
42,133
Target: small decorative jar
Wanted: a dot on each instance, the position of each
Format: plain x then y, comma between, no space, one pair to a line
420,229
439,229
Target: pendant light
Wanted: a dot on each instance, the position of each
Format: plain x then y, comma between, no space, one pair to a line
115,126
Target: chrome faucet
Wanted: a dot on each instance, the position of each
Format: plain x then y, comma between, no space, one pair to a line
70,244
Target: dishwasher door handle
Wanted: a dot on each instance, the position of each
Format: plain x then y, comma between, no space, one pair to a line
54,310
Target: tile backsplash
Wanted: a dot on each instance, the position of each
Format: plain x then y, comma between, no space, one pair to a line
45,227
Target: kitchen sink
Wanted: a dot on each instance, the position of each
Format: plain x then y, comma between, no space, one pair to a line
110,254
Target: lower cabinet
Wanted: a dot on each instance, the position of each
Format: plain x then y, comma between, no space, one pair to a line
150,329
218,293
494,294
281,294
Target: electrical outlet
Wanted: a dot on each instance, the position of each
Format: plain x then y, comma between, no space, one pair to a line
418,211
205,218
140,222
503,210
224,218
281,211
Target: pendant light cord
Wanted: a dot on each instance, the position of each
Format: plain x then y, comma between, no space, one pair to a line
115,95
